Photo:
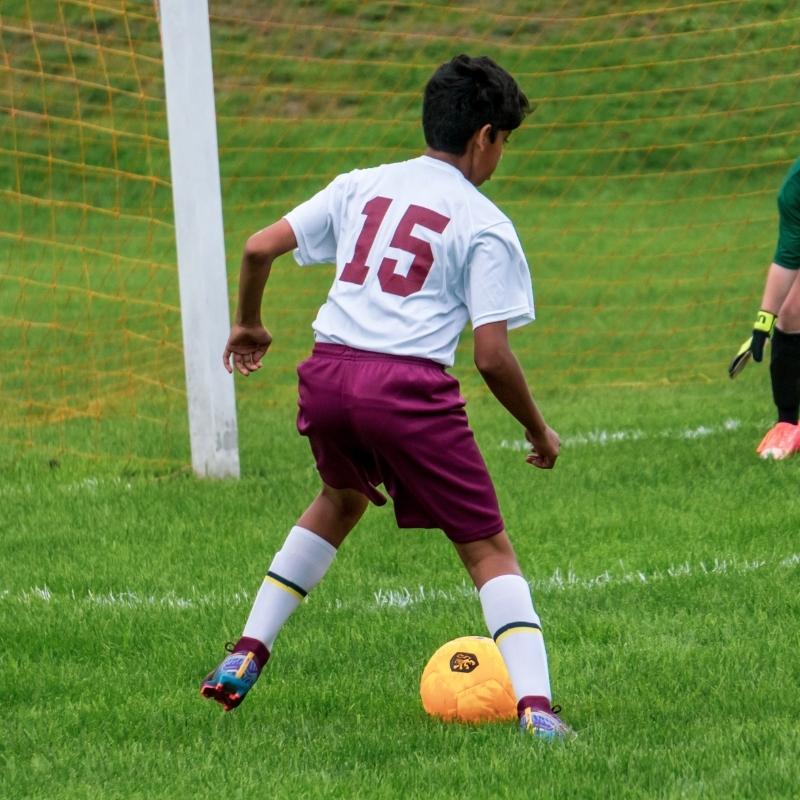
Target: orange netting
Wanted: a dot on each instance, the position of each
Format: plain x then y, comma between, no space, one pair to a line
643,186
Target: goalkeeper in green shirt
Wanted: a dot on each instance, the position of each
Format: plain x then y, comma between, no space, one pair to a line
779,319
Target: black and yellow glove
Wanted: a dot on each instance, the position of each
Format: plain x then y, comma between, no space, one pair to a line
754,346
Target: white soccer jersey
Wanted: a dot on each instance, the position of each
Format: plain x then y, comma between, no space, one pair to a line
419,252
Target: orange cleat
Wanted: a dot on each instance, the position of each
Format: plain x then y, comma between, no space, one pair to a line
781,441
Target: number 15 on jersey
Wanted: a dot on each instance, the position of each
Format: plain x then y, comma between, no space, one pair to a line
356,270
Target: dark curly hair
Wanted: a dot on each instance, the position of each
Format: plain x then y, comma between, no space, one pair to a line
465,94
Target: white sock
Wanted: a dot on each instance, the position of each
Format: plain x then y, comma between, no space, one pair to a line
515,627
296,569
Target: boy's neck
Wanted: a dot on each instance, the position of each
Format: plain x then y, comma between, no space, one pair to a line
462,163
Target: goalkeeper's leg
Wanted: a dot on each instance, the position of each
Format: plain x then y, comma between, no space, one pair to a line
785,358
783,439
784,370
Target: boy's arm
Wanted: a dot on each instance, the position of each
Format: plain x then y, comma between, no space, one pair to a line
503,375
249,339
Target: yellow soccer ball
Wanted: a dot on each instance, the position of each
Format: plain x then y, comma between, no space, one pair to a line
466,680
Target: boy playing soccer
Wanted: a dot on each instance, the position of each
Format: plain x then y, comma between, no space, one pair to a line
419,252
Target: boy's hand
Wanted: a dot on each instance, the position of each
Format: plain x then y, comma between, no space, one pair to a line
544,448
247,344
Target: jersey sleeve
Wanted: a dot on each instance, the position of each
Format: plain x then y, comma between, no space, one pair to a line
498,281
787,253
315,225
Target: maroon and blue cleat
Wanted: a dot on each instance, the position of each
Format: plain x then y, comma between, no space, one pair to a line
538,718
230,682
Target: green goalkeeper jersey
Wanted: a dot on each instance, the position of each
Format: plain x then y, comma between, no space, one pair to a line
787,253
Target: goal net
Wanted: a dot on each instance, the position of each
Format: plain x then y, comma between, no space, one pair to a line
643,188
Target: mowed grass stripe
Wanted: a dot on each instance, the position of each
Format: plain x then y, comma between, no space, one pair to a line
406,596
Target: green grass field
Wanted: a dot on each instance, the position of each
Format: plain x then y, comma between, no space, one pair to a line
662,553
664,561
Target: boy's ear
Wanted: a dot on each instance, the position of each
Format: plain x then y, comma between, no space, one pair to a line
484,138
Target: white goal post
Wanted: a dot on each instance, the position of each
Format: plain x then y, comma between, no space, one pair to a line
199,234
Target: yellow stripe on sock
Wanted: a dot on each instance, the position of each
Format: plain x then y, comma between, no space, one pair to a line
511,631
287,589
245,664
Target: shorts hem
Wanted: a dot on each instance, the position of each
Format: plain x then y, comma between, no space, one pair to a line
456,536
475,537
373,494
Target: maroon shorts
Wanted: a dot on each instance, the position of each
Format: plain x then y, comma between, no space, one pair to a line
373,418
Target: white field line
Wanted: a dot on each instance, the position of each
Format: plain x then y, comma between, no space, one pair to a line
407,597
83,486
595,437
604,437
570,580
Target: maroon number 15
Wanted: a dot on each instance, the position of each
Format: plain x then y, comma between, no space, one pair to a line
355,270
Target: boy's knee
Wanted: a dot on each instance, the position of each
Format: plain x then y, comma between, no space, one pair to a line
348,502
487,558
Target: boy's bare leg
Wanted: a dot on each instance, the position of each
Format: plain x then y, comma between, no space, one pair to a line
299,565
487,558
514,625
303,560
334,513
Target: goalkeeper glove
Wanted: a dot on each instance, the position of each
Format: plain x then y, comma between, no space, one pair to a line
754,346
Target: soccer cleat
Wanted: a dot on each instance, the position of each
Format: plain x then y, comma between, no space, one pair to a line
230,682
541,720
781,441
